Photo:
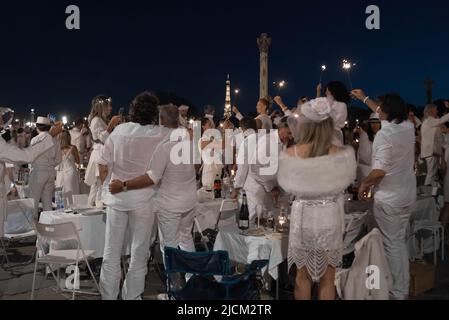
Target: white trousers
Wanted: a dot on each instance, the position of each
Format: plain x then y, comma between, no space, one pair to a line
42,188
393,224
432,168
175,229
139,223
95,193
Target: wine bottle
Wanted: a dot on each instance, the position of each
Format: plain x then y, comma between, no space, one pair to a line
244,214
217,187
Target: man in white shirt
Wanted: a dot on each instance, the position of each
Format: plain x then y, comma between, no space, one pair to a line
176,197
12,154
43,173
432,141
262,111
77,138
395,185
260,187
127,152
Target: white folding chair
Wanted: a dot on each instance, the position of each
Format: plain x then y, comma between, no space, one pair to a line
80,199
228,209
18,226
60,232
354,223
437,230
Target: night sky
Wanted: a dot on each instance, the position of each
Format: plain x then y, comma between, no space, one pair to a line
188,47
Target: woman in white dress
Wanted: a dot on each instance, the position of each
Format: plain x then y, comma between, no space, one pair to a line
317,172
67,176
100,129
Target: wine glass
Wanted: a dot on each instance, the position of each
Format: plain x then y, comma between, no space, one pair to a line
259,213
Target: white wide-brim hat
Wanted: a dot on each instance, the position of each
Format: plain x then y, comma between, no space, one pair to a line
43,120
317,110
183,107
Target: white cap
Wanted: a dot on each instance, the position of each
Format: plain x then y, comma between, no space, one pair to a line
374,117
183,107
43,120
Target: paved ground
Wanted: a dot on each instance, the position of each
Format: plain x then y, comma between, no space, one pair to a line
15,283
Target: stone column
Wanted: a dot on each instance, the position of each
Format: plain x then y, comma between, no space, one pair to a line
429,86
264,43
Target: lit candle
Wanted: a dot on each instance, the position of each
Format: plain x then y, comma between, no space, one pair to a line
370,194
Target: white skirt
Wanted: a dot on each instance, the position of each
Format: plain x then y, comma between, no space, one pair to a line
316,236
92,170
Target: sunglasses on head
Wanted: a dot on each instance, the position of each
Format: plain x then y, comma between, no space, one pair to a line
104,100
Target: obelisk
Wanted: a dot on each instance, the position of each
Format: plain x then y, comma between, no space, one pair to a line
429,86
264,43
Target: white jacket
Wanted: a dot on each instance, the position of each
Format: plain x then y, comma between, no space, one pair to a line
9,153
353,284
430,134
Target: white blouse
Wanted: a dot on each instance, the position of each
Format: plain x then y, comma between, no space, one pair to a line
99,130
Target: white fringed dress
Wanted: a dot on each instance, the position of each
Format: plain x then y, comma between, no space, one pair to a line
317,219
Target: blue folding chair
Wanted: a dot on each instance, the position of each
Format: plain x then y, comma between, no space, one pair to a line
204,266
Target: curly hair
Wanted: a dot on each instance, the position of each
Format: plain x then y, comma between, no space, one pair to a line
339,91
144,109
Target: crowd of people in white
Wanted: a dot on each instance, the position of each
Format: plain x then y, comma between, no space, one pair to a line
129,168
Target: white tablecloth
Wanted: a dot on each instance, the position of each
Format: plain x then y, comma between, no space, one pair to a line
245,249
91,229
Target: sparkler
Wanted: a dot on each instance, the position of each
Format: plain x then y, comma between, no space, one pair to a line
279,85
347,67
236,96
323,68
